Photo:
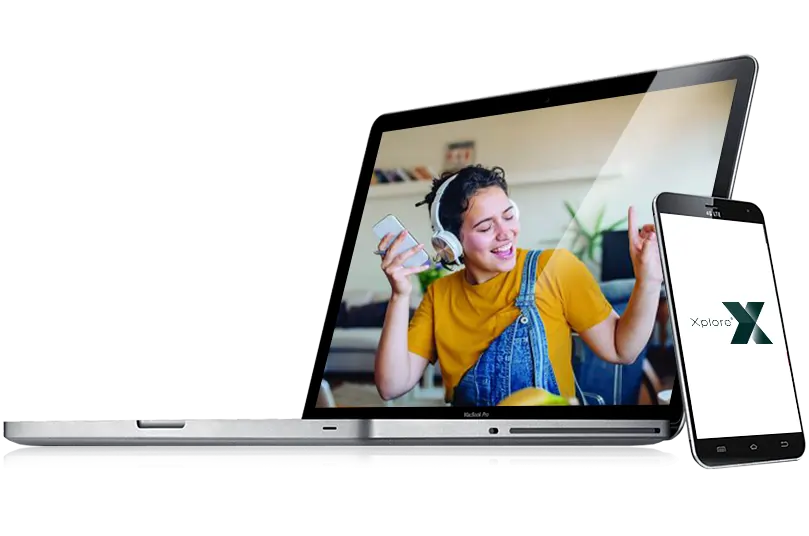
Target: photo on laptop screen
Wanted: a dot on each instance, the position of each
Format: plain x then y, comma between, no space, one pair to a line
539,281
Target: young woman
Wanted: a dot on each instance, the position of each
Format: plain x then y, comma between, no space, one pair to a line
503,323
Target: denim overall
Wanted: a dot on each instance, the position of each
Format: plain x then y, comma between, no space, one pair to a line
517,358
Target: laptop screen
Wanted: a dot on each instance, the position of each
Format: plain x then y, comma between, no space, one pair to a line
511,259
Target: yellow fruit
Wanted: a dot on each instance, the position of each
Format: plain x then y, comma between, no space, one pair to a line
533,396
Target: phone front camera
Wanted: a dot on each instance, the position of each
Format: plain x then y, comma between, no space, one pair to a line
492,431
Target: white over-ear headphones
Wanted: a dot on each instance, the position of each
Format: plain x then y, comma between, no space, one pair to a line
446,245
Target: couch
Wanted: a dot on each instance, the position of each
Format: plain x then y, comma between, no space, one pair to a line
356,336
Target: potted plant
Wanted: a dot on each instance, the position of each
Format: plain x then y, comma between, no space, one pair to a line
587,241
428,276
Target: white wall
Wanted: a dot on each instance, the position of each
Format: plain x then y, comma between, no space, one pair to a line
665,140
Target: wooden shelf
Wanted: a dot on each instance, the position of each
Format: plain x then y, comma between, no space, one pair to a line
420,188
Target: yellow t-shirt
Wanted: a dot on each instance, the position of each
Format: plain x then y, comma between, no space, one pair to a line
457,321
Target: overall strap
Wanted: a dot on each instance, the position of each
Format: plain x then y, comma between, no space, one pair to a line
529,277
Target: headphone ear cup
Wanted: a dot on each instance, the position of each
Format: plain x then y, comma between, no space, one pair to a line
516,209
447,246
455,245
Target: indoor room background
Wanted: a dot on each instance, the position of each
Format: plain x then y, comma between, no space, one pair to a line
577,153
593,158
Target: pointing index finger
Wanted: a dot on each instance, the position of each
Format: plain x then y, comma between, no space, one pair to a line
633,230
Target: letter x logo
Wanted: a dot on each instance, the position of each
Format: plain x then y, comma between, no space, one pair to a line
747,317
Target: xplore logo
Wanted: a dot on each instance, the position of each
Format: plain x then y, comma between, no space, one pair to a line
710,322
746,316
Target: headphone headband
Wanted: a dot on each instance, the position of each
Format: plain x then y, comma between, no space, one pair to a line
437,227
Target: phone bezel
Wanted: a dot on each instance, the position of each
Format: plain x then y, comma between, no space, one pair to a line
726,451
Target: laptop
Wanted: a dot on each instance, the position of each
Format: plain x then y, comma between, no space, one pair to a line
330,459
580,147
504,325
161,431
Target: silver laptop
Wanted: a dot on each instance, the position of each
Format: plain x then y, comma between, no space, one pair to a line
164,431
337,460
501,314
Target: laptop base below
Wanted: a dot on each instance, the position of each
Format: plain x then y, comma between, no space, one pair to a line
519,432
189,432
280,432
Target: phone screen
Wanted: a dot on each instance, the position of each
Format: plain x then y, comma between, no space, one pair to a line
732,342
390,224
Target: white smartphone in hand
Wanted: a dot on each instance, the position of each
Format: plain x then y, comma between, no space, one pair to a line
391,224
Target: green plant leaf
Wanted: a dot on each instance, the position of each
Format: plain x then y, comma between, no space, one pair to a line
572,213
599,219
591,246
570,210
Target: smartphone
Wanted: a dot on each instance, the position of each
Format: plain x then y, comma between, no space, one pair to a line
391,224
735,375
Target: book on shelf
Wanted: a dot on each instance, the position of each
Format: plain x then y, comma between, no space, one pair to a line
387,176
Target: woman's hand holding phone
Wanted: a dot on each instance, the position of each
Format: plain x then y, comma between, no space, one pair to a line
397,274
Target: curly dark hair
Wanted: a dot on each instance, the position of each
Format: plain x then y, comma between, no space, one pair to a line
455,199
